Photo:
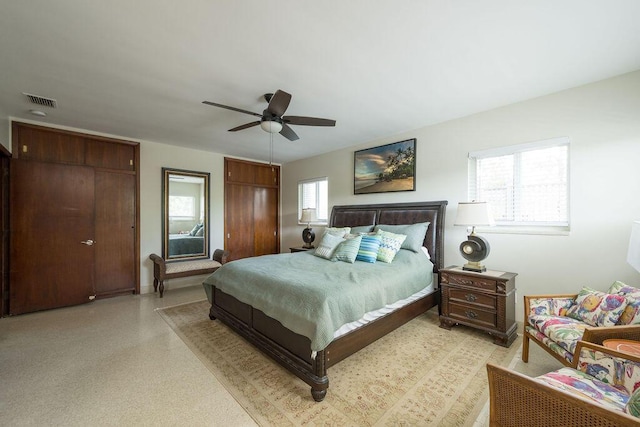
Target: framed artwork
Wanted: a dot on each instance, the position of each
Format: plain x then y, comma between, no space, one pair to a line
387,168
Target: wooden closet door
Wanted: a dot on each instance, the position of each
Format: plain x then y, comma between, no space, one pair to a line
265,219
238,221
115,232
51,214
251,208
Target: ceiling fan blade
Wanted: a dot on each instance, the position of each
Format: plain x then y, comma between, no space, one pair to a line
245,126
308,121
288,133
279,103
240,110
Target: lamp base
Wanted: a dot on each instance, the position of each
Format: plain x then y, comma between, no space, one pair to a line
474,266
308,236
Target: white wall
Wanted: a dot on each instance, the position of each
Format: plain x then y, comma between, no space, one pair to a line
153,157
602,121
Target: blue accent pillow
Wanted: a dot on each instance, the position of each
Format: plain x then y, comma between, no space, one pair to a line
195,229
368,250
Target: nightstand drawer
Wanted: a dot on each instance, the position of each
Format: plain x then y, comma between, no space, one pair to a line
473,282
457,295
473,314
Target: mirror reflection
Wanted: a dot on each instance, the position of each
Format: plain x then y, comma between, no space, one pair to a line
185,214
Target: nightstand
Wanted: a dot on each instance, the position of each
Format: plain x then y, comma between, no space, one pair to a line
485,301
300,249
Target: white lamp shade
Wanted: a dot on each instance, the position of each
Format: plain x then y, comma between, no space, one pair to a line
473,214
308,215
633,255
271,126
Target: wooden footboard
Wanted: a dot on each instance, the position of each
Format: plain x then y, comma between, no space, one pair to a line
293,351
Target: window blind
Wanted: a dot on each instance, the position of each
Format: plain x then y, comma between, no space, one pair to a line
525,185
314,193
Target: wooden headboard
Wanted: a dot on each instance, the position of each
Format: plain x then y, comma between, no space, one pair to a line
399,213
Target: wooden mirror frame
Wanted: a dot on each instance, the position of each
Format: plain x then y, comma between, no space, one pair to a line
189,240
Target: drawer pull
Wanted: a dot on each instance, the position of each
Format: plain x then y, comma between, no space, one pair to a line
471,314
470,297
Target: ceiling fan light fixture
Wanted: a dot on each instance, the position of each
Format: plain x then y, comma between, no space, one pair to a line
271,126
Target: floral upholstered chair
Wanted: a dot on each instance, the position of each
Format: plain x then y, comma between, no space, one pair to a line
602,388
558,322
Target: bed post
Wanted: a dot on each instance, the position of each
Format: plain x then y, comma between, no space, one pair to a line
319,388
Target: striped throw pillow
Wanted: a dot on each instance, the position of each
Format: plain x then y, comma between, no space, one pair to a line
347,251
327,246
368,250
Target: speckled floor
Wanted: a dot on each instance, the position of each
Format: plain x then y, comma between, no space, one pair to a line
117,362
109,362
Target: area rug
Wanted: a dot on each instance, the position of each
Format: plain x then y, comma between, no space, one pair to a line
417,375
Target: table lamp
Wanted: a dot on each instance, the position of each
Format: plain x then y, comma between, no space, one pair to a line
308,236
475,248
633,255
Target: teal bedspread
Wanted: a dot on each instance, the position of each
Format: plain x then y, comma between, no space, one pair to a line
313,296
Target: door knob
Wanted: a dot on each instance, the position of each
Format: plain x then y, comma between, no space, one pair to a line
88,242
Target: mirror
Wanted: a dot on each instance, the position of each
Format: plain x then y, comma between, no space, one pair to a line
185,214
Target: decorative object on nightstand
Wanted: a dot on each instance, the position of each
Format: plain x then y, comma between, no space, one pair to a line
633,255
475,248
308,236
485,301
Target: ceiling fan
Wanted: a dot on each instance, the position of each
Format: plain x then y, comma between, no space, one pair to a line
272,119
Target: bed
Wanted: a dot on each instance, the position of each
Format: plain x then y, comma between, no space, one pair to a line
185,244
309,356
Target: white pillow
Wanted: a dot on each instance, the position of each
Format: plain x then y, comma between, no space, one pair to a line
327,246
426,252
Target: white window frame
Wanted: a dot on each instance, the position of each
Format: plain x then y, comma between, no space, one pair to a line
517,226
320,201
188,202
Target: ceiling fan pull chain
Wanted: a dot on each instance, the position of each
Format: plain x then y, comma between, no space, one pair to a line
270,149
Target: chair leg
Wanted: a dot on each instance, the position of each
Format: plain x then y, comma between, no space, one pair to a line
525,348
155,285
161,288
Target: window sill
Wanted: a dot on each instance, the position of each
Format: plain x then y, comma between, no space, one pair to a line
538,230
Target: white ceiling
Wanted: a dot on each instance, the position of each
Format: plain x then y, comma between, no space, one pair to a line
141,69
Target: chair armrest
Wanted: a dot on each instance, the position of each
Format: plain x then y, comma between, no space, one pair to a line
220,255
597,335
611,366
158,265
530,302
517,400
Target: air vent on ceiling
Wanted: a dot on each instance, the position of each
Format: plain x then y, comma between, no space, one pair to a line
41,100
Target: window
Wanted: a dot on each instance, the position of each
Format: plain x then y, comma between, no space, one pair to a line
314,193
527,185
182,207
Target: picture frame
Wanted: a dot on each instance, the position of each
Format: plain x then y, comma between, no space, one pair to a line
386,168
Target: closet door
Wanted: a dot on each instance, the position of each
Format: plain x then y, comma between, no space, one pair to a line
115,232
265,220
251,208
238,221
52,214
